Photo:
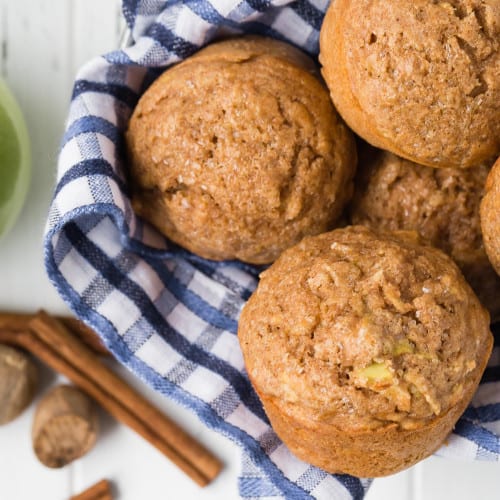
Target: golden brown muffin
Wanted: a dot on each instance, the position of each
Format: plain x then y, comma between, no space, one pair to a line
365,348
420,78
441,204
238,152
490,216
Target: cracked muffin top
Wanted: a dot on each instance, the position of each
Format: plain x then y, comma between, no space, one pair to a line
392,193
237,152
420,79
362,329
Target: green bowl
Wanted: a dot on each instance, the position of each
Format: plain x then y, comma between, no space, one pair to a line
15,159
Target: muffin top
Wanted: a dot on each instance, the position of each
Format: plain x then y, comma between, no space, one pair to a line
417,78
392,193
490,216
238,152
361,329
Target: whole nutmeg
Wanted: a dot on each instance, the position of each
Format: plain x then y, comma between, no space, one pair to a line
64,426
18,381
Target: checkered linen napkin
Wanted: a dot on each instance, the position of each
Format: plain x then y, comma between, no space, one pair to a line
169,316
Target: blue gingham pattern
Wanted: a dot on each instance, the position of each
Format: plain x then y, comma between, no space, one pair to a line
169,316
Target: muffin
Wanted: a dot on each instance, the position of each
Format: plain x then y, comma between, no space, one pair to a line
441,204
420,78
490,216
237,152
365,348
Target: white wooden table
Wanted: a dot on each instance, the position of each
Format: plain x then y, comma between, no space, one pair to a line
43,42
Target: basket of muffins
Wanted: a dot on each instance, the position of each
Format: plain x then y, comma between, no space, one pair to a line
361,185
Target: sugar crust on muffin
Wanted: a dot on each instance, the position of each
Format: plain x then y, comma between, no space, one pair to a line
420,78
238,152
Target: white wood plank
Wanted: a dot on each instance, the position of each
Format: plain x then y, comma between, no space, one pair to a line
395,487
441,478
35,38
3,38
98,26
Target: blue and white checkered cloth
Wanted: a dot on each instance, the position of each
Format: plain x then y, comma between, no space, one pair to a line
166,314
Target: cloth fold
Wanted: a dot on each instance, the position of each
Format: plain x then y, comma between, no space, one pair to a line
170,316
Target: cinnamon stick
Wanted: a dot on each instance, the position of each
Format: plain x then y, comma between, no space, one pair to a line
19,321
86,334
98,491
13,321
125,404
52,342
